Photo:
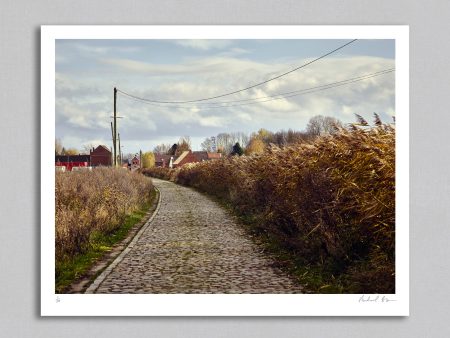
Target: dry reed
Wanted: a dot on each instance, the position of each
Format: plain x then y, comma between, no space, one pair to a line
331,202
94,202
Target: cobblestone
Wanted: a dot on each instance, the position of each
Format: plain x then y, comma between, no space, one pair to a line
192,245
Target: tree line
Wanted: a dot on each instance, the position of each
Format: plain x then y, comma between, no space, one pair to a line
229,144
239,143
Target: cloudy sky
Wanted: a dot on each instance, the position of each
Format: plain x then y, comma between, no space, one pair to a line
185,70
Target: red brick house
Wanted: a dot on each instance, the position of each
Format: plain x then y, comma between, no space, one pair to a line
101,156
194,157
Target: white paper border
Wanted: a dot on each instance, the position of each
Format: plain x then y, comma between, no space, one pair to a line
218,304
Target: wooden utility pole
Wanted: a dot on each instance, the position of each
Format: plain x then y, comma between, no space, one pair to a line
120,151
112,136
115,126
140,158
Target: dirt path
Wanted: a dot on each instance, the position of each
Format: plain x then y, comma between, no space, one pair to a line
191,245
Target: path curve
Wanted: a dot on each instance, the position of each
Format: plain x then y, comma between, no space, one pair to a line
192,245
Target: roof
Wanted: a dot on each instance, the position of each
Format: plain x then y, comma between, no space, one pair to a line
161,157
181,157
204,155
101,147
104,147
214,155
200,155
72,158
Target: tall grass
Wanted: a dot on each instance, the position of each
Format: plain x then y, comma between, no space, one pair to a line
330,203
89,203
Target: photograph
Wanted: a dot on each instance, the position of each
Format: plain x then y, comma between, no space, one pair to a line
197,169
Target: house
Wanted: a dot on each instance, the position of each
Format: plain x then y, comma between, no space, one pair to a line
135,161
189,156
101,156
71,161
206,156
183,159
163,161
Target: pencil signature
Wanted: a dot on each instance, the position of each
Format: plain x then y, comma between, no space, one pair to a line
375,299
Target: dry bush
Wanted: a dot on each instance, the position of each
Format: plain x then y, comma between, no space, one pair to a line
331,202
159,172
96,201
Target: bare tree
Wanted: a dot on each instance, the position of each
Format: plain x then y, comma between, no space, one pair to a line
207,145
241,138
161,149
183,144
283,137
322,125
88,147
226,141
58,147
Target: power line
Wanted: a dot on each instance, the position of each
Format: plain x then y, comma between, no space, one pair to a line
243,89
301,90
304,92
280,96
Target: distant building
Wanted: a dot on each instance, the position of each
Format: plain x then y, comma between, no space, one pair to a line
135,161
206,156
71,161
163,161
182,159
101,156
194,157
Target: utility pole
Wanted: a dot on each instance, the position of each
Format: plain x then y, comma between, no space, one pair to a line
140,158
115,126
120,151
112,135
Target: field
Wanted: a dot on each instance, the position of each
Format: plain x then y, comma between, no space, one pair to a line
91,206
326,207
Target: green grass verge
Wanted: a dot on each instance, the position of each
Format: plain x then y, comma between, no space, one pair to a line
67,271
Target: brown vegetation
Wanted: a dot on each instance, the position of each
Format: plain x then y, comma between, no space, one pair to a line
94,202
330,202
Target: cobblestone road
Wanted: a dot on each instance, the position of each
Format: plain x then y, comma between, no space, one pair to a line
192,245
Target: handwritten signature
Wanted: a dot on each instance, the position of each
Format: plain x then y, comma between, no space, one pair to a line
375,299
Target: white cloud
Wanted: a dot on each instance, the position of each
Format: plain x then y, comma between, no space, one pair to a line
205,44
222,65
90,49
213,121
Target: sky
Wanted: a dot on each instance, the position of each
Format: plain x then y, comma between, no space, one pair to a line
185,70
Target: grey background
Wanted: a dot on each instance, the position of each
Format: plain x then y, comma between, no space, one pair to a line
20,133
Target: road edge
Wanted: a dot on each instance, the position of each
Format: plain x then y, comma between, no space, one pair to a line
100,278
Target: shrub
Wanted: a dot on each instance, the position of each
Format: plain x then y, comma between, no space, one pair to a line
159,172
96,201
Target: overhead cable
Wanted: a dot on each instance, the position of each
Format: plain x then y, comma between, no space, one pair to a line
280,96
243,89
